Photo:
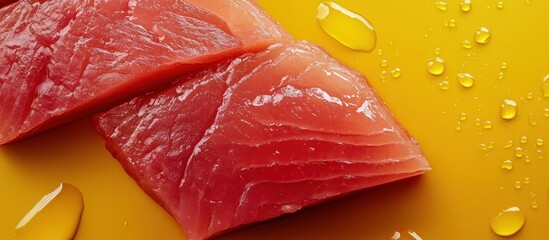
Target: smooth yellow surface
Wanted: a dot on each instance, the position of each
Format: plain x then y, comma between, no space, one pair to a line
456,200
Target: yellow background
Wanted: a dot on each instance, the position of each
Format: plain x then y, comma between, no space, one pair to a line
456,200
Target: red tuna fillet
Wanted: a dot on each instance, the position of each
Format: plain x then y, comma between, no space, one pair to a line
262,136
60,60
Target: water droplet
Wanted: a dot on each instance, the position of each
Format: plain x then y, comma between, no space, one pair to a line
56,216
483,35
384,63
519,152
466,80
530,96
526,180
444,85
396,73
463,116
523,139
508,222
477,122
500,4
467,44
527,159
507,165
517,184
508,144
452,23
501,75
508,109
437,51
535,204
383,75
442,6
532,120
545,86
503,66
379,52
465,5
436,66
347,27
546,112
405,234
487,124
539,142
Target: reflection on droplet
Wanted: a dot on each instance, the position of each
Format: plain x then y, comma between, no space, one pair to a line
347,27
56,216
483,35
508,222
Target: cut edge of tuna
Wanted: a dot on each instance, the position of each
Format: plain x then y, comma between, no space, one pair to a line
292,128
64,81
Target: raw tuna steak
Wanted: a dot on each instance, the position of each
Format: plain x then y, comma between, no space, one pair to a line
264,135
63,59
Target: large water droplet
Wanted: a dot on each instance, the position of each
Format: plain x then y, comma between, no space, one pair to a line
508,109
347,27
466,80
508,222
483,35
436,66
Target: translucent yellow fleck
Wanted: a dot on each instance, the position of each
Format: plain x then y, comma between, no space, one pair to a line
523,139
436,66
347,27
508,109
466,79
483,35
508,222
539,142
